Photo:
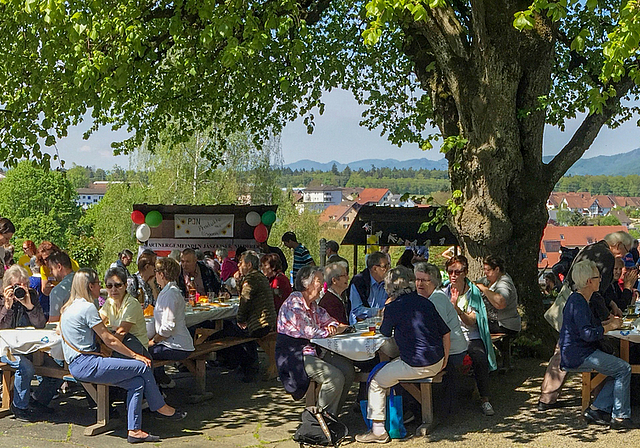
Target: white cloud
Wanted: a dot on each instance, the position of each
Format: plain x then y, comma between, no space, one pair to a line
84,148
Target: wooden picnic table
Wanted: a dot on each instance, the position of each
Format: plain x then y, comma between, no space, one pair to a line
40,343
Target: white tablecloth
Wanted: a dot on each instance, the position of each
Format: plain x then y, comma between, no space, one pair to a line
22,341
354,346
195,317
629,335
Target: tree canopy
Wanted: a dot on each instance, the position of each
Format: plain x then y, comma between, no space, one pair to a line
155,66
41,203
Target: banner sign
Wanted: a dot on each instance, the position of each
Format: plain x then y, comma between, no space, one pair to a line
169,244
203,226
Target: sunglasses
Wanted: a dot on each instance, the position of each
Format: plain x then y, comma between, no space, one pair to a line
114,285
456,272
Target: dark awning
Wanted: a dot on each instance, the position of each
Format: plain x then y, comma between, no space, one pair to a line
398,226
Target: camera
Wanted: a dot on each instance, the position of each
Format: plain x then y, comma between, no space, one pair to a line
19,292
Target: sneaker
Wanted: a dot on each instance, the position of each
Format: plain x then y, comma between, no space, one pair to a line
487,409
624,423
24,415
370,437
597,417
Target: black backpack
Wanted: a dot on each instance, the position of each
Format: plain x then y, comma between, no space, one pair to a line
320,428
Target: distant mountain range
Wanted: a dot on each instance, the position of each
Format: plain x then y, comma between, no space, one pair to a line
615,165
365,164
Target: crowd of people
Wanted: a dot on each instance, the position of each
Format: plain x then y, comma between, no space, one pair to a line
432,326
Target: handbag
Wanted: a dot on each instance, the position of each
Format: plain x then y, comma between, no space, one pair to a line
394,424
320,428
554,314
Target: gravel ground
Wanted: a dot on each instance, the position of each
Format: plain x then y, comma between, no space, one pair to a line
262,415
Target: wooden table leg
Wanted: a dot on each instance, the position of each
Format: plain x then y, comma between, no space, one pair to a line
586,390
7,392
100,394
624,350
426,400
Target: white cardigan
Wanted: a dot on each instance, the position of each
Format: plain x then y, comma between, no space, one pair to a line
170,320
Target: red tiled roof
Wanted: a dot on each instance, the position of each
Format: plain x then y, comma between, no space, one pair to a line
605,201
369,195
571,236
335,212
556,198
578,200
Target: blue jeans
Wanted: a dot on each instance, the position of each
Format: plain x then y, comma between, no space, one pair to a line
25,372
615,394
128,374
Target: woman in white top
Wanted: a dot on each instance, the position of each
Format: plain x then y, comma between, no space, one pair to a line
172,340
79,323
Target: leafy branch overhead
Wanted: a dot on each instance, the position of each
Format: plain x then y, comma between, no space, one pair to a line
183,65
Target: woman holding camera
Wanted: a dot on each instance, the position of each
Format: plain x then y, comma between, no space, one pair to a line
20,308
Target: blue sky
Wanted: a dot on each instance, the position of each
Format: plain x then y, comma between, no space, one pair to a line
338,136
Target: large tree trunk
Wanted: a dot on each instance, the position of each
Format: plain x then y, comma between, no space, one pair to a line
485,88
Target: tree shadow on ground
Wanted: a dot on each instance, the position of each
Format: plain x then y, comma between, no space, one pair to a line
514,398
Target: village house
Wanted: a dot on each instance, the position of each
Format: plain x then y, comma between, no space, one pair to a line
555,237
339,216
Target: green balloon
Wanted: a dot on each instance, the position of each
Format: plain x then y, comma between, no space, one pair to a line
153,218
268,217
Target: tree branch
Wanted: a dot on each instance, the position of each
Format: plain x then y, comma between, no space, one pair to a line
448,35
311,11
586,134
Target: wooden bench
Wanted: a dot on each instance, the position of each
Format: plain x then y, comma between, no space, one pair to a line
196,362
591,380
419,389
99,393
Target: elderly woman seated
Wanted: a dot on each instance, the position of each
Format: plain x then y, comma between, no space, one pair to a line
21,308
423,341
468,304
300,318
337,280
579,350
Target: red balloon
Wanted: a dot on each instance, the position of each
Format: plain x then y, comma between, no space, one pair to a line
137,216
261,233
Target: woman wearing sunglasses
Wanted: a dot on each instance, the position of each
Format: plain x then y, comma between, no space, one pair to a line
122,313
468,303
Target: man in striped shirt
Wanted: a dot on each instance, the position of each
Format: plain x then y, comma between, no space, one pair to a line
301,255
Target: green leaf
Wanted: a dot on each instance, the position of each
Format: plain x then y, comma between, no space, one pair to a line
523,20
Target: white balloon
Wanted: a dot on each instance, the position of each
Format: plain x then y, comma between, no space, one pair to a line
143,232
253,219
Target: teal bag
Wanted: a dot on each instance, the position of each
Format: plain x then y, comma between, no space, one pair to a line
395,420
394,424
